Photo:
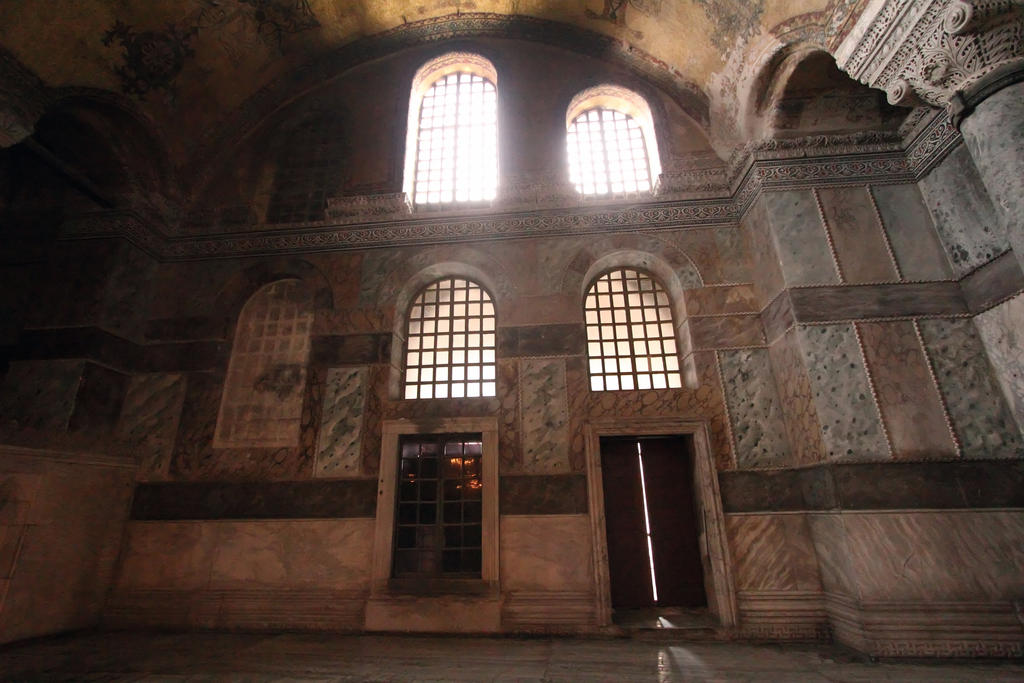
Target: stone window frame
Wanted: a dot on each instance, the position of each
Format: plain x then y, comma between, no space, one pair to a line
305,317
424,79
633,105
382,582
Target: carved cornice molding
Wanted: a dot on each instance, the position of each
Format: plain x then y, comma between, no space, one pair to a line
931,51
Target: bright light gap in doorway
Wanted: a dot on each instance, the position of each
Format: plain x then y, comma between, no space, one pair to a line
647,523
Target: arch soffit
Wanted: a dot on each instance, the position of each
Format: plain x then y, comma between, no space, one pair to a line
318,73
668,263
443,269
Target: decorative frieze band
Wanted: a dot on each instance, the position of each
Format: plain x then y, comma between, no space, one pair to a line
386,220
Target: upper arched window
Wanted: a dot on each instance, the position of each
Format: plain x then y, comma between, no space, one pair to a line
611,145
631,340
452,144
263,391
450,342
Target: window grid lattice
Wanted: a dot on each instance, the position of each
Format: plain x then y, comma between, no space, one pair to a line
262,402
450,342
607,153
457,143
439,518
631,341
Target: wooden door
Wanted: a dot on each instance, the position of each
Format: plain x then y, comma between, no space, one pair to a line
667,478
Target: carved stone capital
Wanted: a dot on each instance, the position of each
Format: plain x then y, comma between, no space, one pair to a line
934,51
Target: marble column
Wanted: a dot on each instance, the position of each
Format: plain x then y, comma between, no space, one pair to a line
994,134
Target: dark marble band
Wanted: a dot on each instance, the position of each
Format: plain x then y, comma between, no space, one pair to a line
996,281
555,494
351,349
858,302
876,486
327,499
568,339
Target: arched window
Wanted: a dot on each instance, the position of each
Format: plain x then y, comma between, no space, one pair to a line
263,391
611,144
450,342
631,341
452,145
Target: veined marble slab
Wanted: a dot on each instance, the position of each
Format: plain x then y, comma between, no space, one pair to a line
149,420
338,450
545,416
754,408
1002,330
850,425
800,238
974,399
40,394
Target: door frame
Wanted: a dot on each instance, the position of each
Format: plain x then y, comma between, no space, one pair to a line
715,557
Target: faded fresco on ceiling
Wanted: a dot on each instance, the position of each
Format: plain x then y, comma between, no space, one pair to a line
153,57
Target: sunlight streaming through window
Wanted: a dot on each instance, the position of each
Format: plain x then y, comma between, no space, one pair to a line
607,154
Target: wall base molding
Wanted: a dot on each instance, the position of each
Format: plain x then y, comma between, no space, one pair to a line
549,612
935,629
258,609
783,615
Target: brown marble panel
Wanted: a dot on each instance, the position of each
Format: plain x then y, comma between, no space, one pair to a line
195,458
185,328
723,332
552,494
541,340
539,553
857,235
826,304
797,397
320,499
997,280
778,317
350,349
724,299
772,552
348,321
509,451
545,309
908,399
876,486
908,223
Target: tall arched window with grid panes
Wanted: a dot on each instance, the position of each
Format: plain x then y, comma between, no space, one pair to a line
611,143
453,132
631,339
450,342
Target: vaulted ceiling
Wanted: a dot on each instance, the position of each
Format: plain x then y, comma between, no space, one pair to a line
191,65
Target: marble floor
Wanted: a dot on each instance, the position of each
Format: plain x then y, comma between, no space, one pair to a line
325,657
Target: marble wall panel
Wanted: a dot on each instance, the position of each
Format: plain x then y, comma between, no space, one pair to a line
766,270
172,555
332,554
1002,330
68,548
40,395
964,217
857,235
850,425
991,284
545,416
915,244
772,553
974,400
755,412
796,394
929,556
734,252
509,453
838,574
723,299
149,421
725,331
195,458
545,553
800,239
99,400
339,448
908,399
551,494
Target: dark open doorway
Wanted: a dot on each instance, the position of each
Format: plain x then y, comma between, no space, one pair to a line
654,555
